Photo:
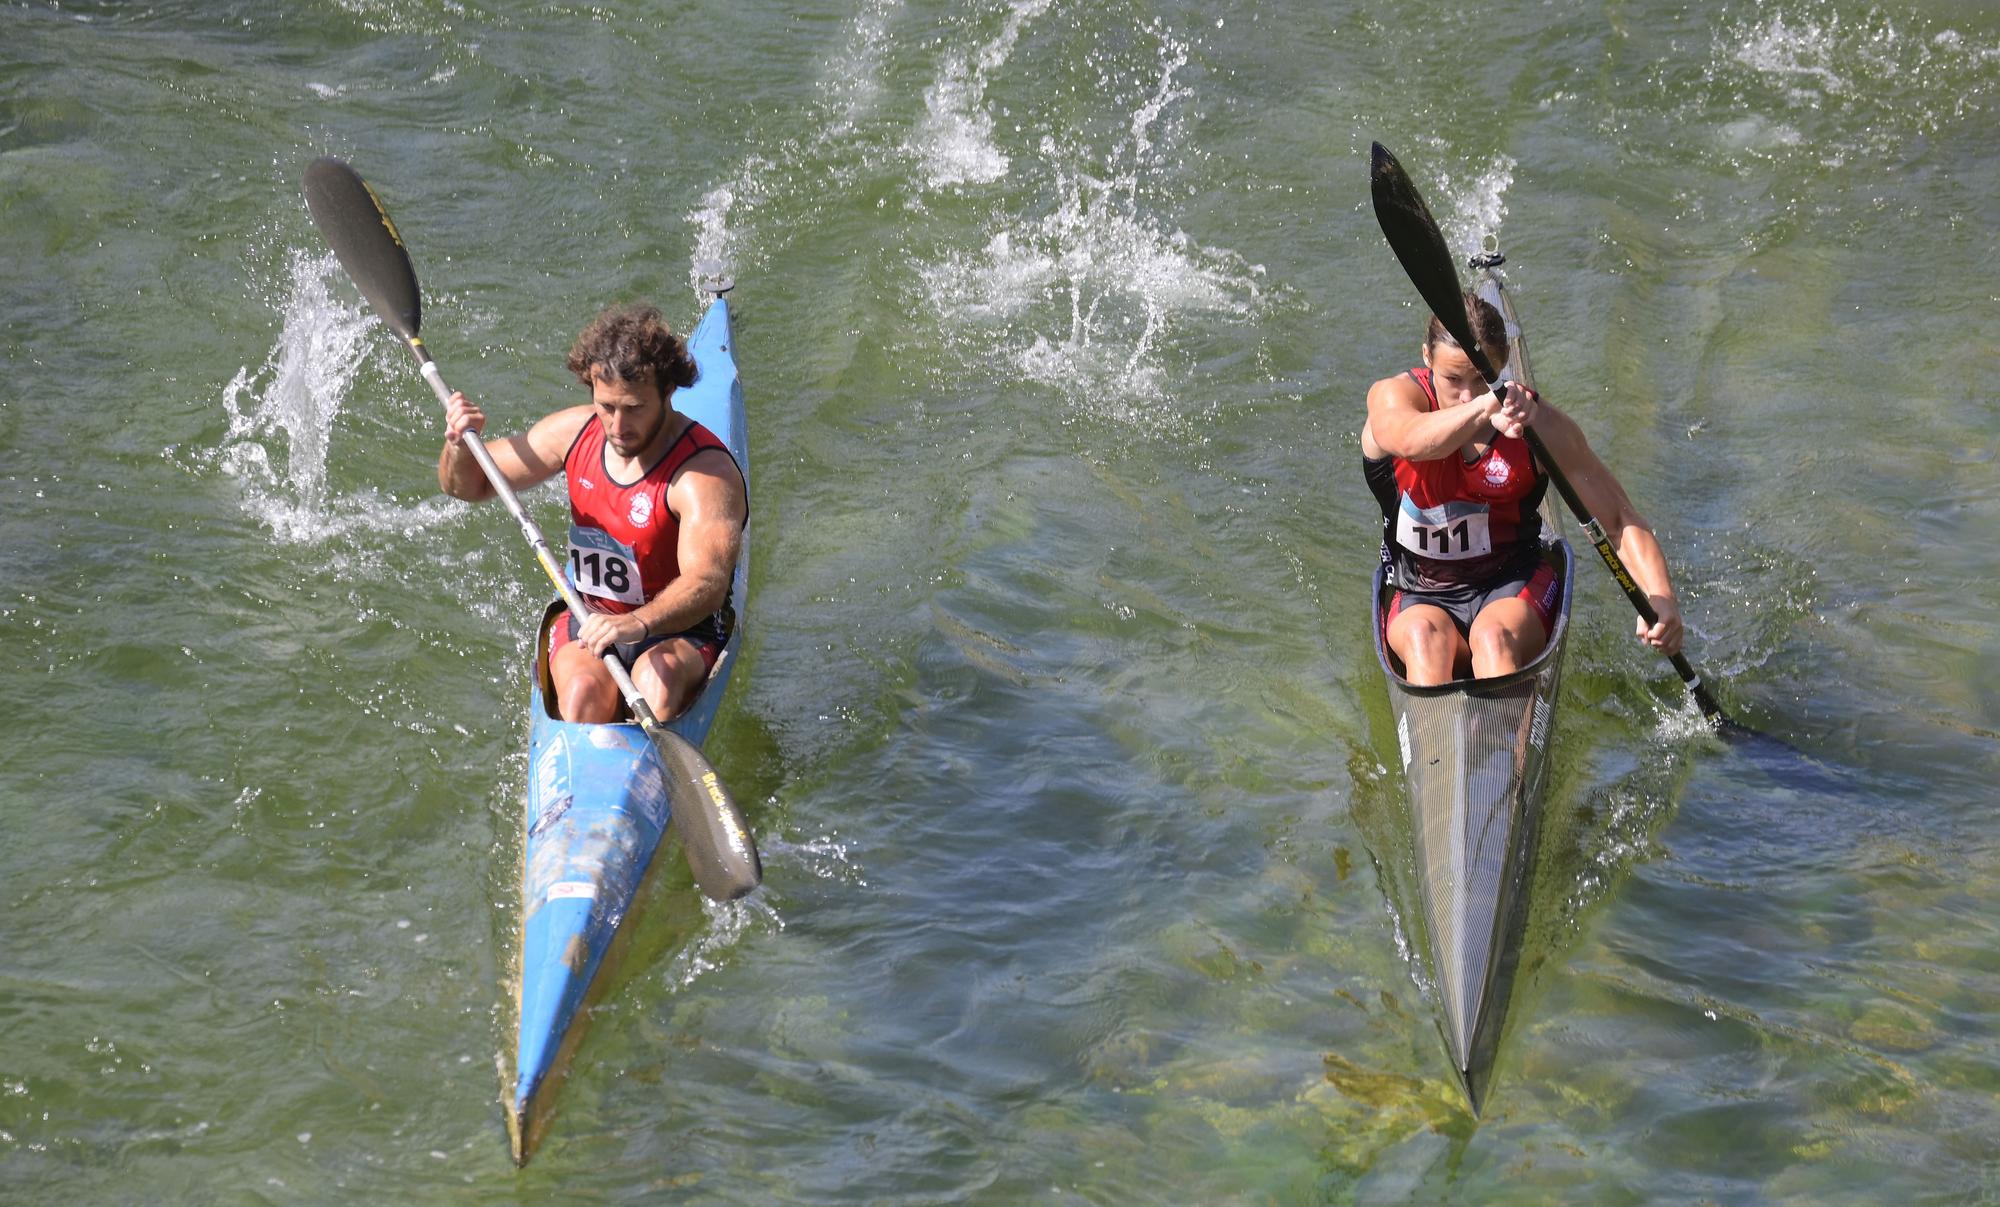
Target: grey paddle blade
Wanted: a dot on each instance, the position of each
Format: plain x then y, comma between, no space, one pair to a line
719,848
358,229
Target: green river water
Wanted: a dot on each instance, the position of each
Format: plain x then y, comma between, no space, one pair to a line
1058,723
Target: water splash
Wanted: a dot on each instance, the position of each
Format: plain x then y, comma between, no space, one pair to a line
296,395
1680,723
282,417
1798,80
1475,209
714,241
1081,277
1414,963
822,858
1804,50
956,143
853,82
1090,291
728,922
401,16
851,86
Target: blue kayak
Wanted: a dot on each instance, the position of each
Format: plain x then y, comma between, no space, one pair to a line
598,802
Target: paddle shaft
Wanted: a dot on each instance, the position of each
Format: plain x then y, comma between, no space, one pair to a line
543,554
1615,564
1593,529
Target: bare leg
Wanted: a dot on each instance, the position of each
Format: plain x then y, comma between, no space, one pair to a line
1506,636
668,674
1430,645
585,690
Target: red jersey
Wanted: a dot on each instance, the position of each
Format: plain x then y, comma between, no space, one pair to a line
624,542
1450,522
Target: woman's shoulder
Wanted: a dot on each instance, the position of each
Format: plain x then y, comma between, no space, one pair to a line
1396,385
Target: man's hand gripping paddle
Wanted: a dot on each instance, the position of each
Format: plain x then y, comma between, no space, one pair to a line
718,843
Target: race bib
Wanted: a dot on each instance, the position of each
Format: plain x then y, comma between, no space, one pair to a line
1447,533
601,565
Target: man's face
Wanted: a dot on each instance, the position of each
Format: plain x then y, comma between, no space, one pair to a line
632,411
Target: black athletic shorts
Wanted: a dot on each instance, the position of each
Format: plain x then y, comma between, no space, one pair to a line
1542,590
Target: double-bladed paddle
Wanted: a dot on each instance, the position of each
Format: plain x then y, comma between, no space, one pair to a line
1413,234
719,847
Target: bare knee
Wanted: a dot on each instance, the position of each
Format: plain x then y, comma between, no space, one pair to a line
667,676
1500,649
1494,652
584,693
1429,648
587,702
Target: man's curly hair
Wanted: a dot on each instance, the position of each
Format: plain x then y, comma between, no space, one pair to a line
631,344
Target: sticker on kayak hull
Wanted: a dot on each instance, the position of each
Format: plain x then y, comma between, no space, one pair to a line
1538,730
551,815
567,890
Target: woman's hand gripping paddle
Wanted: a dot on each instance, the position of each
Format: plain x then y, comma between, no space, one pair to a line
1413,234
357,227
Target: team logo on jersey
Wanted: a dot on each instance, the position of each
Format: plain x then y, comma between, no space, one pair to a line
1497,471
642,510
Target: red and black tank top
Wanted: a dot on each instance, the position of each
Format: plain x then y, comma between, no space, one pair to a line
624,541
1449,522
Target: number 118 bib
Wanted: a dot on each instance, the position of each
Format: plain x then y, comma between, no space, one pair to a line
602,565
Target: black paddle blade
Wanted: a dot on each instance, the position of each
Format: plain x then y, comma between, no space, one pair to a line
358,229
1413,235
719,848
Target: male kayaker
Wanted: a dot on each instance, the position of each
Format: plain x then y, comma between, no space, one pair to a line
1459,491
657,510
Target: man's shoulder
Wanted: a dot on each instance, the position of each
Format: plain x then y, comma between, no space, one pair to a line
570,417
710,472
555,432
711,460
